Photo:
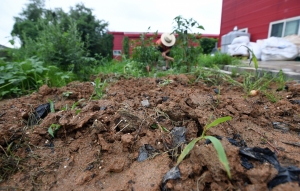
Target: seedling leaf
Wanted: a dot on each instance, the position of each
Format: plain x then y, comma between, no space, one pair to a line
50,131
221,153
187,149
51,106
217,122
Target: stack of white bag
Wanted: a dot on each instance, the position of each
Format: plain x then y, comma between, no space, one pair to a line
275,48
294,39
237,47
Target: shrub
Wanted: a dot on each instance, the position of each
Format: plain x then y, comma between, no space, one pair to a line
208,44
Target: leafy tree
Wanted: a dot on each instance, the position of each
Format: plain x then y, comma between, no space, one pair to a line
93,31
208,44
187,42
25,24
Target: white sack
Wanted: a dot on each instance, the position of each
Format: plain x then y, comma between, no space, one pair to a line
237,49
294,39
255,47
275,48
241,40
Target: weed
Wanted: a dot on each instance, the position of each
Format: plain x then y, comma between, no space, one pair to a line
98,89
52,108
271,96
67,94
165,82
53,128
187,42
216,143
9,163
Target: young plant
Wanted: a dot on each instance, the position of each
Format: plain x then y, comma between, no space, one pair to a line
188,43
53,128
216,143
52,108
144,50
98,89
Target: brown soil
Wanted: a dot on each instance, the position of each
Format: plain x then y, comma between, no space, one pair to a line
97,148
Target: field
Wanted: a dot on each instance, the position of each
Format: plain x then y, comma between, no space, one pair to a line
97,143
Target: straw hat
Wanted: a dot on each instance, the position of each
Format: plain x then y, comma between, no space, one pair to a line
168,39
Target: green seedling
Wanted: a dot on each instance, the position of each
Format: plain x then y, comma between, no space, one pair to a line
67,94
165,82
53,128
52,108
75,104
216,143
98,89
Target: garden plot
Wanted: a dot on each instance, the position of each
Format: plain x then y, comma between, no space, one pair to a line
96,144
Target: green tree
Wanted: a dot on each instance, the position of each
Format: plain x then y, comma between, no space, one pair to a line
208,44
187,42
25,24
93,31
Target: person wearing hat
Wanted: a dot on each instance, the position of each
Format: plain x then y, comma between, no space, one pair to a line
164,45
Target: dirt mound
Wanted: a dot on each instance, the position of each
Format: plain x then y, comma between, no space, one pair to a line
98,142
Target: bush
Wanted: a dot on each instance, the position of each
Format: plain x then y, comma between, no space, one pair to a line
218,59
208,44
18,78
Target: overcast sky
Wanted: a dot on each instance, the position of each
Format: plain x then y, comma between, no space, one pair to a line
127,15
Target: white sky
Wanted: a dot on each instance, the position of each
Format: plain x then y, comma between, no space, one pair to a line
127,15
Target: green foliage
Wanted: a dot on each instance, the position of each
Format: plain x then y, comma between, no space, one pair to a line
99,88
17,78
218,59
216,143
52,108
187,43
53,128
144,50
25,24
93,31
125,47
208,44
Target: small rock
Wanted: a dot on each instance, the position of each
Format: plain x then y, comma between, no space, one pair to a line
165,98
117,165
127,139
104,145
145,103
281,126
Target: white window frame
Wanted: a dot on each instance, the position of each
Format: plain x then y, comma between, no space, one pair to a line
245,30
284,21
117,52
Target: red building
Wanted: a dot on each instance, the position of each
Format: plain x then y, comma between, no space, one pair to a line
119,36
261,18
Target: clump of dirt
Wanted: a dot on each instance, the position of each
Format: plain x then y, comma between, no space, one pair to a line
98,142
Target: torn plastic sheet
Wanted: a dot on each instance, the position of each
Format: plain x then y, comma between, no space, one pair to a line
172,174
145,152
178,135
285,174
40,113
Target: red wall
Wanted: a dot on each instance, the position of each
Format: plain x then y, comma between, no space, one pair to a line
256,15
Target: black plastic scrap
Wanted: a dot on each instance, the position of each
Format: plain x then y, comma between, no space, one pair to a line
40,113
178,135
285,174
145,152
295,102
172,174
